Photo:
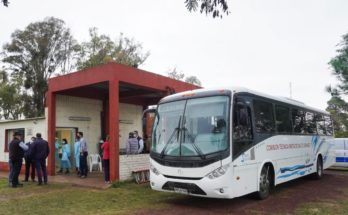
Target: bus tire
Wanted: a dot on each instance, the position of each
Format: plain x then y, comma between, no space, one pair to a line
265,183
320,170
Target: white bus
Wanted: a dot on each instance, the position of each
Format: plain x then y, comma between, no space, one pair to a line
231,142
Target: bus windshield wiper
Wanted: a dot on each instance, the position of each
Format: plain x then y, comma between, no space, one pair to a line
155,127
175,131
196,148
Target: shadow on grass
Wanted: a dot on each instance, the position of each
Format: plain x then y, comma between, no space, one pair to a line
283,191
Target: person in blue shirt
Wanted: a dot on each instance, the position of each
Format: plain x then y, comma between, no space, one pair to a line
77,154
66,156
57,147
58,155
29,162
83,155
132,144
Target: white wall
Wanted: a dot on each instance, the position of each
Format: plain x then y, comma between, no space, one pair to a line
130,120
67,106
31,126
129,163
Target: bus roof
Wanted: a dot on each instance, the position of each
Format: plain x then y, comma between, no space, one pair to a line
233,90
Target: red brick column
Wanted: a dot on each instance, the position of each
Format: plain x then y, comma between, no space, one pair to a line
114,129
51,104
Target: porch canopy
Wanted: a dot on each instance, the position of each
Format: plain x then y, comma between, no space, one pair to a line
111,83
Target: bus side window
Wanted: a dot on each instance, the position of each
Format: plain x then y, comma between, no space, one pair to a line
283,121
298,121
328,125
310,127
320,121
264,120
242,128
242,122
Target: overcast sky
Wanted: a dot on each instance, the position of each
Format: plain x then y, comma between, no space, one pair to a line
262,45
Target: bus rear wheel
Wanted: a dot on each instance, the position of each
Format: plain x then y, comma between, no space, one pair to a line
265,183
320,170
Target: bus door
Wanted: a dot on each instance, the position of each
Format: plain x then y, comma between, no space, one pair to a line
242,127
243,155
148,120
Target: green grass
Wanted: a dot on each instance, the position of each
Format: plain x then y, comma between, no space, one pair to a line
67,199
121,198
325,206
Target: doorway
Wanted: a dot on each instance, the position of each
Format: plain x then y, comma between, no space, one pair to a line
69,134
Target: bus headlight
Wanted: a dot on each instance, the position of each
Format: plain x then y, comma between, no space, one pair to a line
218,172
154,170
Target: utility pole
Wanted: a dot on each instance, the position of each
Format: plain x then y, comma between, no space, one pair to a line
290,88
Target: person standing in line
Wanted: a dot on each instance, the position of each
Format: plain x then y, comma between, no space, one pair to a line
83,155
40,152
16,151
56,146
10,173
132,144
77,154
106,162
29,162
58,154
140,142
66,156
99,148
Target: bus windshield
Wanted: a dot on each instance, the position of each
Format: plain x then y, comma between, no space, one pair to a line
192,127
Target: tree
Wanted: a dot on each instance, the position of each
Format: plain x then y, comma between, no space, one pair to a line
339,65
175,74
101,49
336,105
36,53
210,7
11,104
338,109
179,75
193,80
5,2
3,77
214,7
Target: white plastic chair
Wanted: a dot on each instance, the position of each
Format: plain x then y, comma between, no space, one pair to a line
95,160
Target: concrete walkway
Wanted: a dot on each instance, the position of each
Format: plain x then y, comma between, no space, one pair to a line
94,179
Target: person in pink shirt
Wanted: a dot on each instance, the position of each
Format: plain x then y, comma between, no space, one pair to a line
106,157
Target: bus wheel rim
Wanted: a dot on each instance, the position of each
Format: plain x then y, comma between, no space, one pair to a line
264,182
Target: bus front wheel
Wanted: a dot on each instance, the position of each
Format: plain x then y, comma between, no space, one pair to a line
265,183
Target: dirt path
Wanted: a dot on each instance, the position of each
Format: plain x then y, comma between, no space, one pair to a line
284,199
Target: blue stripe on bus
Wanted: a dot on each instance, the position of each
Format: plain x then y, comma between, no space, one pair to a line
293,168
341,159
298,172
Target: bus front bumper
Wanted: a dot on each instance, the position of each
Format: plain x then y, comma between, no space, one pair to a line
204,187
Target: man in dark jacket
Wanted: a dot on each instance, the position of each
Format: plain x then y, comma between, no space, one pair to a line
29,162
39,152
16,151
